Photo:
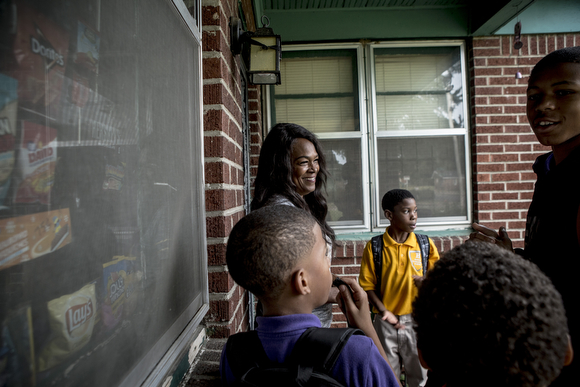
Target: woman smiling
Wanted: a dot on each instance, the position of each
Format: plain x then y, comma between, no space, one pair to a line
292,171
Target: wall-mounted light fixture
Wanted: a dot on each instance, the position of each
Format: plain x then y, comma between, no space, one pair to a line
264,52
518,44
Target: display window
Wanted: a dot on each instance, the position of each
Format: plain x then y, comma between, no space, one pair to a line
102,224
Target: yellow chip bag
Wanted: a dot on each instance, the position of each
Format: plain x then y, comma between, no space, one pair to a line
72,318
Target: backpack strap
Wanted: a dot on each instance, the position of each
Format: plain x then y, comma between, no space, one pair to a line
425,250
319,348
377,246
315,352
244,352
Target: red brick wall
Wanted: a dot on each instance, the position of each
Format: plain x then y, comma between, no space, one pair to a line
224,167
503,145
503,150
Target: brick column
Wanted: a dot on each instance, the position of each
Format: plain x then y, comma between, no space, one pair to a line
224,167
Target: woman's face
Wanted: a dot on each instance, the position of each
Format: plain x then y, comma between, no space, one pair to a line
304,166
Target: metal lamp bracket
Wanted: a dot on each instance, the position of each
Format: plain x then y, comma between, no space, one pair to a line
237,35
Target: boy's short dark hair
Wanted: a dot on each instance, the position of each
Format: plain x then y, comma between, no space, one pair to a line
564,55
266,244
486,317
394,197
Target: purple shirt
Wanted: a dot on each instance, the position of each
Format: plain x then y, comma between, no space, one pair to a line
359,363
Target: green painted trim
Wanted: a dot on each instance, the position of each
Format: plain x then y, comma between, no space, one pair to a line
183,366
366,236
493,22
546,17
309,25
258,12
479,18
180,371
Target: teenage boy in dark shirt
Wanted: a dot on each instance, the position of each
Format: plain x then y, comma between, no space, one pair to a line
552,238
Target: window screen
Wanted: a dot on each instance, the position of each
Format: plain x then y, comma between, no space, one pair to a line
101,252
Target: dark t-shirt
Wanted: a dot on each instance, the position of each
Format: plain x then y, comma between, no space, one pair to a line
551,237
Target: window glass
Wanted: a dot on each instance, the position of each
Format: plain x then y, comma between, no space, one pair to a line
432,168
418,88
99,255
414,137
319,90
344,185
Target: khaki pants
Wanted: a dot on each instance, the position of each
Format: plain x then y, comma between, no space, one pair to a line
400,346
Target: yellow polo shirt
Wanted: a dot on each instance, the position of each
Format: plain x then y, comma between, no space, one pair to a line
400,262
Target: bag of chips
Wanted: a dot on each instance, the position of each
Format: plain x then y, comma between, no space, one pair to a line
8,111
114,279
72,319
36,163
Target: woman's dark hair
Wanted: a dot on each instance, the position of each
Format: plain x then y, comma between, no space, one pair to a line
275,173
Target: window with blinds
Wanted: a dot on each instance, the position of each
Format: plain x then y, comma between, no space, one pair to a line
389,115
415,90
318,91
420,133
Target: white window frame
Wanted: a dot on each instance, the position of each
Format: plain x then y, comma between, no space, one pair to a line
423,223
161,359
368,133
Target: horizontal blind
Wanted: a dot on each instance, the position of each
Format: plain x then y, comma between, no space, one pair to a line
412,92
315,75
317,93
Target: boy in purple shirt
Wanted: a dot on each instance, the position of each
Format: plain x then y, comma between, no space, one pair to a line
279,254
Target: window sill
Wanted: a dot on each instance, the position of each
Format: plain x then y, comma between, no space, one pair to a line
366,236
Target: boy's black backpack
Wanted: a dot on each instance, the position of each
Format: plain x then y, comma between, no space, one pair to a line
309,364
377,246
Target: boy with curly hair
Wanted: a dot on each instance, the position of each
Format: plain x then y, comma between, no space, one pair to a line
485,317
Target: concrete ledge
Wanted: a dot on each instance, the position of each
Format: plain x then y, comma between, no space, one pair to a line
204,371
366,236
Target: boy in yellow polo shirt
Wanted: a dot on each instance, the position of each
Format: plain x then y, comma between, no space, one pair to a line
392,292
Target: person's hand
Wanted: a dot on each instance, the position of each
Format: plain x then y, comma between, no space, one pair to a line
332,295
486,234
357,307
357,312
418,280
391,319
